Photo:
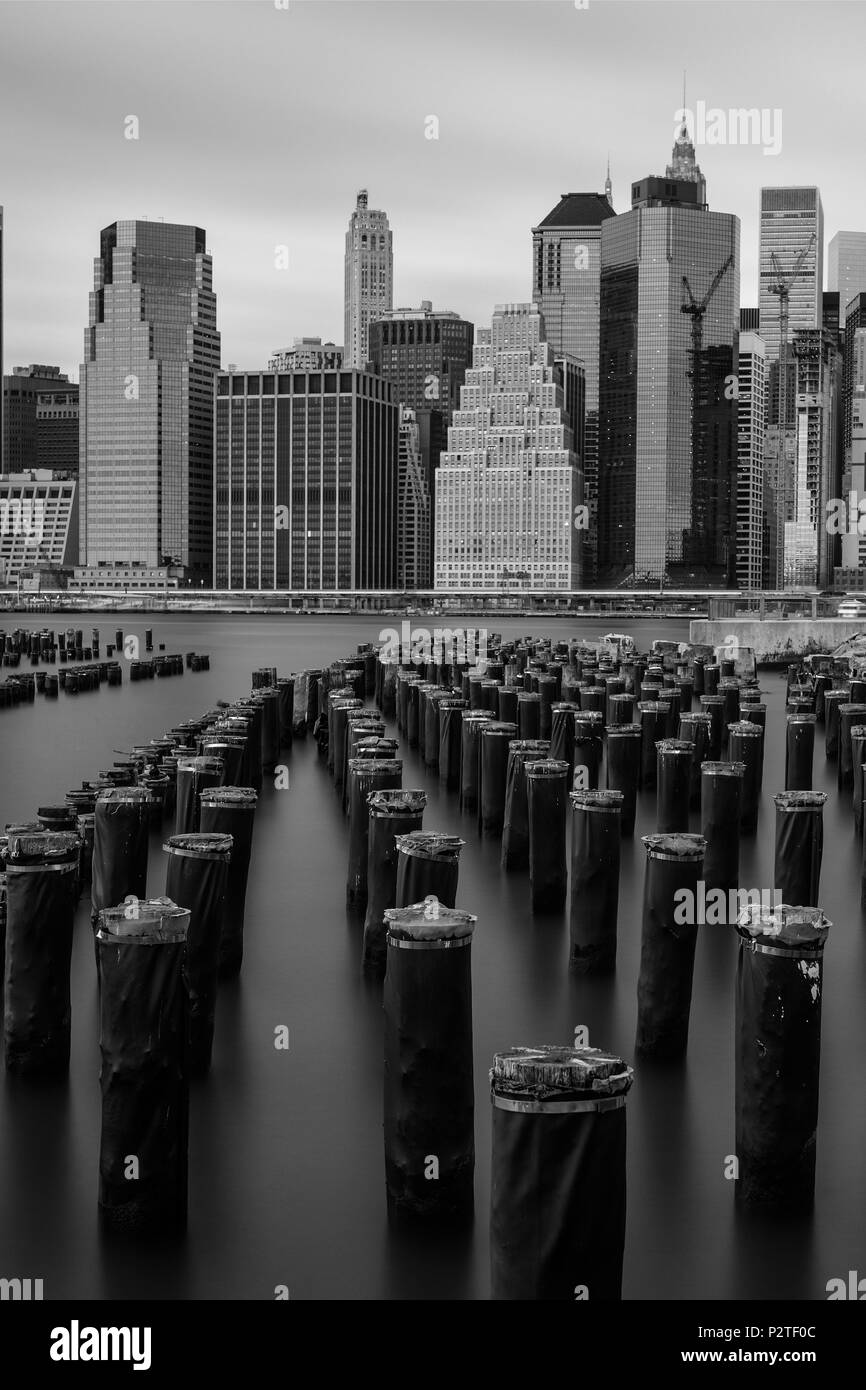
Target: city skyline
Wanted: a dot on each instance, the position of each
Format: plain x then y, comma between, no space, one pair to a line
379,140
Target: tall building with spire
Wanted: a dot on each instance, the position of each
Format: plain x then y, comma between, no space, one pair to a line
369,278
669,320
509,482
566,269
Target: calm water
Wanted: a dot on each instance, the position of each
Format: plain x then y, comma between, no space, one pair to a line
286,1163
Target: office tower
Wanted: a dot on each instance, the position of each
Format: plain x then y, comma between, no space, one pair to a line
369,278
306,355
21,394
509,483
2,405
791,219
831,318
146,401
851,573
305,481
749,320
807,557
669,312
57,427
424,353
38,521
414,507
751,428
566,267
846,267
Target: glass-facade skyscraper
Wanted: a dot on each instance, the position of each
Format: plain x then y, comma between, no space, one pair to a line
669,320
846,267
146,400
791,219
566,271
369,290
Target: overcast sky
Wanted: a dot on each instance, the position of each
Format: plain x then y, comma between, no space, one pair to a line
260,124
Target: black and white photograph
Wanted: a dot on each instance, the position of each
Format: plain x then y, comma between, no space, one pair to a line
433,689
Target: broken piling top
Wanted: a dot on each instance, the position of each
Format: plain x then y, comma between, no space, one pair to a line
200,764
534,1074
711,769
746,729
681,846
610,801
429,921
680,746
783,928
141,795
41,847
528,745
430,844
630,730
547,767
396,801
200,845
232,797
147,922
800,801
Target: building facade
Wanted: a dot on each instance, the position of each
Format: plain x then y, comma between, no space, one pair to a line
369,287
751,429
670,291
424,353
846,267
305,487
38,521
566,281
146,401
57,428
509,485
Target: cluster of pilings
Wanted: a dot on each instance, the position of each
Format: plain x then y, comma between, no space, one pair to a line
541,729
158,958
80,667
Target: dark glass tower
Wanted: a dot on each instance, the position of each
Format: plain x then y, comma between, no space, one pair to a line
146,400
669,319
424,354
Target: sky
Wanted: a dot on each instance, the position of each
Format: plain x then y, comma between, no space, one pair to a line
260,123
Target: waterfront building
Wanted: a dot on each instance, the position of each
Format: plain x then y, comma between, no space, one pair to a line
414,507
369,278
669,321
305,485
146,401
509,484
38,521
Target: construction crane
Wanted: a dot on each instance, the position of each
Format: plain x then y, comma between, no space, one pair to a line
696,312
781,286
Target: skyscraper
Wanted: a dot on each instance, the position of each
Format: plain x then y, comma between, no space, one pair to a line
424,353
305,487
509,483
146,437
669,310
751,430
807,560
414,508
852,571
566,270
846,267
2,413
369,278
791,219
